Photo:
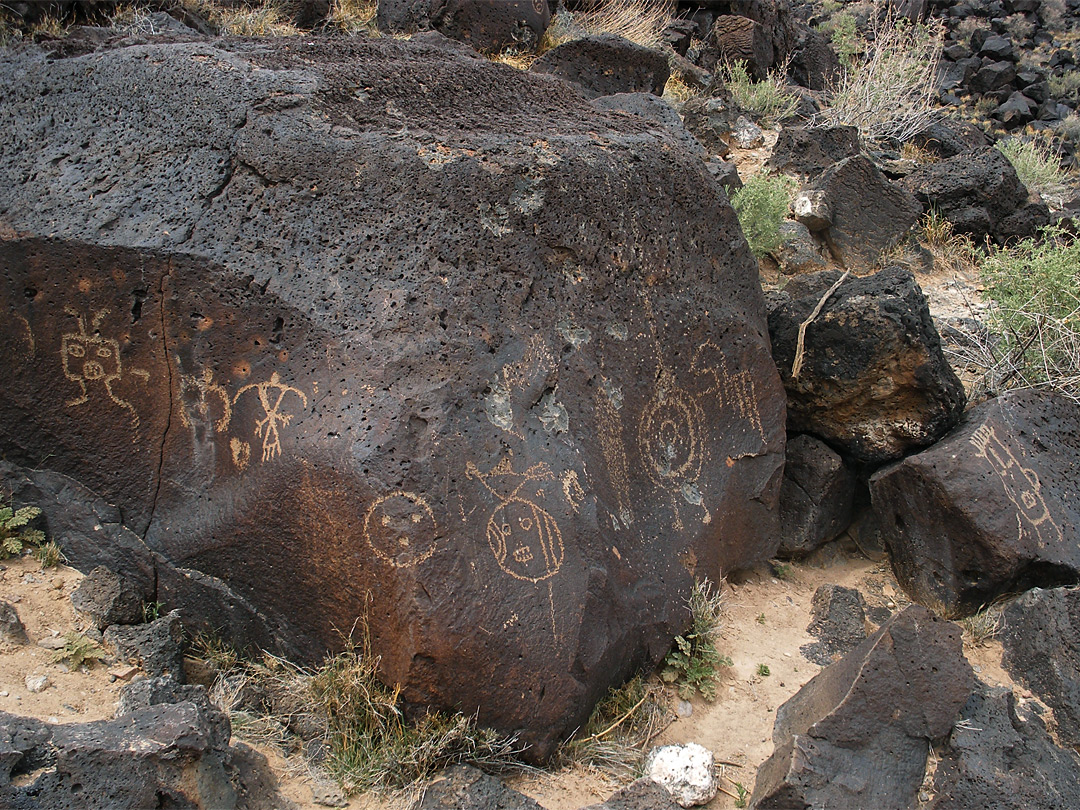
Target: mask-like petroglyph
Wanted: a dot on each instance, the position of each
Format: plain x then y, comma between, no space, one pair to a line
89,358
272,395
735,394
1021,485
401,529
197,397
525,539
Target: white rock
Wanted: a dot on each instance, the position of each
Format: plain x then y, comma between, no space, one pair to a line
36,683
685,770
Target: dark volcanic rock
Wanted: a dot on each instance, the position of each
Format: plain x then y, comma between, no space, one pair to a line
11,626
641,794
487,25
652,108
108,598
949,138
157,691
710,120
461,787
870,214
740,39
157,647
857,735
874,383
605,64
1002,757
810,151
377,328
1041,637
816,498
977,191
991,508
839,624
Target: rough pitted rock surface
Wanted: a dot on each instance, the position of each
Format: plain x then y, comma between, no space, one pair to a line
108,598
991,508
979,192
874,383
652,108
156,647
487,25
604,64
740,39
685,771
809,151
376,327
462,786
870,214
1040,635
1002,757
163,756
641,794
857,735
817,497
839,624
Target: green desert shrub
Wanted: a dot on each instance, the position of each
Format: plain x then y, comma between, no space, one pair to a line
761,206
1038,167
694,663
768,100
15,531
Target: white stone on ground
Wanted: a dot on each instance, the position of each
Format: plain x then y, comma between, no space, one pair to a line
685,770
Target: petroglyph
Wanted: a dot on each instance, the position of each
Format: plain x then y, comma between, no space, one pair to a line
268,427
197,395
29,334
609,431
735,392
241,453
89,357
572,490
525,538
1021,484
401,529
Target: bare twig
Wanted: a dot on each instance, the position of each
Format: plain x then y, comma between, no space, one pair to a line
800,346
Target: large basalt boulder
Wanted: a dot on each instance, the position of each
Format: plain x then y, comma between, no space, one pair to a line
487,25
1002,756
870,214
858,734
389,332
873,382
605,64
740,39
991,508
980,194
817,497
809,151
1041,640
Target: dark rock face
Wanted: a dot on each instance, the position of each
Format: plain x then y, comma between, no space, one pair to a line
157,647
799,252
950,138
988,510
11,626
874,383
810,151
107,598
979,193
164,756
327,340
462,786
1003,758
487,25
870,214
655,109
1041,637
858,734
158,691
739,39
710,120
641,794
816,498
839,624
605,64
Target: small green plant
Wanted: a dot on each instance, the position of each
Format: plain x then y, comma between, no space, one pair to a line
761,618
781,570
1066,86
49,555
15,532
694,662
763,671
761,206
842,29
1038,168
743,794
77,650
768,100
151,611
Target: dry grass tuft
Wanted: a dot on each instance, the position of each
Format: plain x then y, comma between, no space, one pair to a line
353,16
267,20
640,21
983,627
1038,166
952,251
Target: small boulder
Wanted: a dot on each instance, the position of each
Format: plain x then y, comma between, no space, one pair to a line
839,624
726,174
1002,756
462,786
711,120
870,214
816,498
747,134
605,64
108,598
11,626
858,734
156,647
740,39
948,138
988,510
641,794
1041,640
808,151
977,191
686,771
873,382
812,208
37,683
159,691
798,251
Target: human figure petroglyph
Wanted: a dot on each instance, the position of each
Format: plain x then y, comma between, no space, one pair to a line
196,394
89,357
267,427
1021,484
401,529
524,537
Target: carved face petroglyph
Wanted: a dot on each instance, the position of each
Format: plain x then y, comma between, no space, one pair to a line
90,357
525,540
401,529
